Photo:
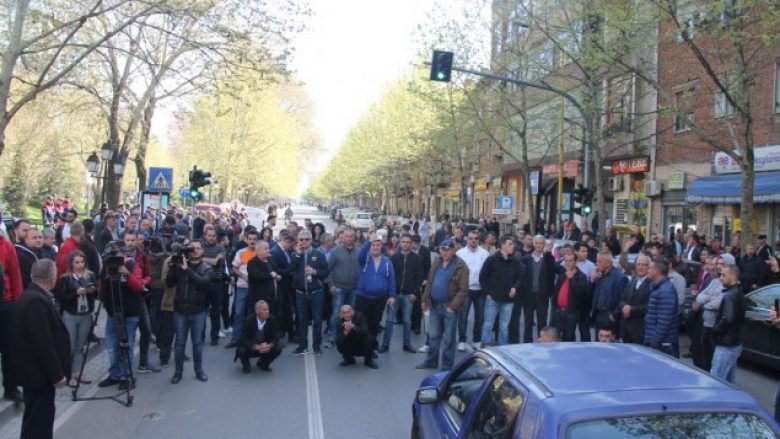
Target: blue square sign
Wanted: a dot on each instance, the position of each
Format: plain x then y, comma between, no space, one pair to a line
160,180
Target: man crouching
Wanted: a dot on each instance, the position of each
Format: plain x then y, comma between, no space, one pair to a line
259,339
353,339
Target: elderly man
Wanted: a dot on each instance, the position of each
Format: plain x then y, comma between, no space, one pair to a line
352,338
309,268
570,298
662,321
41,347
259,339
608,284
540,270
28,252
633,302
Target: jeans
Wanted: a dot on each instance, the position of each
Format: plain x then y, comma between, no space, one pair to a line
724,362
192,324
339,298
441,331
309,308
78,326
504,312
404,301
478,299
239,312
214,299
120,365
565,321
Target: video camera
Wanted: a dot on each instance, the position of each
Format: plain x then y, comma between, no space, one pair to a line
112,257
180,251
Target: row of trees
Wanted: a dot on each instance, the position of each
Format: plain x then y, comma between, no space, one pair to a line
113,62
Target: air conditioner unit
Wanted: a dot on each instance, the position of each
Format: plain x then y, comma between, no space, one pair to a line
615,184
653,188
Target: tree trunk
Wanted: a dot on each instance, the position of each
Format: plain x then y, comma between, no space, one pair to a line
746,209
143,144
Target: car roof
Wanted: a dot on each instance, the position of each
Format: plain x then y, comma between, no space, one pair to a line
578,368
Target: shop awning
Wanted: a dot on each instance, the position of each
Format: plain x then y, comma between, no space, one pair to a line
727,189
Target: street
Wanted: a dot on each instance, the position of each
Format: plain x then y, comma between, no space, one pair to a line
303,397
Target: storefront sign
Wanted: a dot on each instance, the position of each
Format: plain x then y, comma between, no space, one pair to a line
550,169
766,158
676,180
631,166
480,185
534,177
571,169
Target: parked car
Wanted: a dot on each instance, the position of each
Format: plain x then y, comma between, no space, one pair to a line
760,339
582,391
361,220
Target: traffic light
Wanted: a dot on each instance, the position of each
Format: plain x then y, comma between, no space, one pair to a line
587,201
579,194
441,66
198,179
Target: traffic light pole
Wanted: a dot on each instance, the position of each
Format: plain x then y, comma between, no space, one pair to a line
587,123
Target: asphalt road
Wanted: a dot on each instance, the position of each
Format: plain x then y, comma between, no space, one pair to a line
303,397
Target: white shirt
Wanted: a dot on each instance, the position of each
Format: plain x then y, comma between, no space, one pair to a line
260,324
241,267
586,267
474,259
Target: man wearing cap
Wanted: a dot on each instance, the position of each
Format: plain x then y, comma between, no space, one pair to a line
764,250
444,295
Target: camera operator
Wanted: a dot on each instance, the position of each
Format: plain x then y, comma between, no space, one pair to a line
122,281
190,274
134,240
167,233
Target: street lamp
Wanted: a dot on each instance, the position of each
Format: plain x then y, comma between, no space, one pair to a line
93,161
107,151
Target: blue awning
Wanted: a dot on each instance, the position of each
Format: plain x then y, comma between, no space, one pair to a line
727,189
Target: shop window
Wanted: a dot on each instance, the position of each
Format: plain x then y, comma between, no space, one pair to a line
777,88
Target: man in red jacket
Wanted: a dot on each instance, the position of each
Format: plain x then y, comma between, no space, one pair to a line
68,246
11,291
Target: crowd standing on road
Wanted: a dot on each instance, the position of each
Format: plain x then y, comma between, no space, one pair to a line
173,275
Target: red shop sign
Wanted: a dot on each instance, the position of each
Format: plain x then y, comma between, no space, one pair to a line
630,166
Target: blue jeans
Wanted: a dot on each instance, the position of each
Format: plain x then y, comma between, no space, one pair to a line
194,325
239,312
340,297
504,312
405,303
442,325
309,308
724,362
119,368
477,298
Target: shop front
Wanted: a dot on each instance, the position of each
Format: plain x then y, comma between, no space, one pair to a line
627,184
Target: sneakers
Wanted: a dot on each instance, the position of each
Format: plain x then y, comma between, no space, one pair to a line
462,347
476,345
228,330
221,334
423,349
300,351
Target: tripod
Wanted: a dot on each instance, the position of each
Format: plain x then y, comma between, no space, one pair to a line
124,352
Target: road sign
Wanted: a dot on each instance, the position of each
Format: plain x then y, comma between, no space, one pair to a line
506,203
502,211
160,180
534,182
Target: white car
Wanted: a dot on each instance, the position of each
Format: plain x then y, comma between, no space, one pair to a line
362,220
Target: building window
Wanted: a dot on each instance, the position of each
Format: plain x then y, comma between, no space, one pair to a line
620,102
683,116
723,107
777,88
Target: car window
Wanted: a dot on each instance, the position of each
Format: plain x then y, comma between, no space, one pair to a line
763,298
497,411
463,387
688,425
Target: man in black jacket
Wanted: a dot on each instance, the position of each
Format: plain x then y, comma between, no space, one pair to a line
569,298
408,278
191,278
540,270
501,278
753,270
728,324
633,303
41,347
259,339
425,267
352,339
28,253
309,269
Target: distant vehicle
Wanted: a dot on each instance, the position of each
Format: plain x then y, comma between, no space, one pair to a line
361,220
761,339
582,391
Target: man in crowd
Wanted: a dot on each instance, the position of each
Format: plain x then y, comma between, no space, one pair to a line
376,287
41,348
474,256
608,285
280,254
662,321
50,244
352,339
570,298
239,268
191,276
693,247
752,270
728,326
548,334
445,293
71,244
63,231
10,290
633,302
408,277
425,268
28,252
259,339
344,270
502,278
109,233
763,250
133,241
214,256
605,333
21,227
540,270
309,268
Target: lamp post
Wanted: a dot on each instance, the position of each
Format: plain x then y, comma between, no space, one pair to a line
94,170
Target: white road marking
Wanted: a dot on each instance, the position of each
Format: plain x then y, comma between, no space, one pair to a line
313,407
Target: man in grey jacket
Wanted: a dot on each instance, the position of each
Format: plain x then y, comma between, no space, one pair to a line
344,271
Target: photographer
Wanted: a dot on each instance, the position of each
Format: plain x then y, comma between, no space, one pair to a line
190,274
121,289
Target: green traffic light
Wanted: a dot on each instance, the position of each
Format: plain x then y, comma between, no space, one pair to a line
441,75
194,193
586,209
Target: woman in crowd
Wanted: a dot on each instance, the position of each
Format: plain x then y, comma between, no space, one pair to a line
75,292
316,236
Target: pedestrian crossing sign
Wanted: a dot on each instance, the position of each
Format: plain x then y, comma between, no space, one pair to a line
160,180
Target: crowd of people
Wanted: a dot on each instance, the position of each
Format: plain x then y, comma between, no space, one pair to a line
171,275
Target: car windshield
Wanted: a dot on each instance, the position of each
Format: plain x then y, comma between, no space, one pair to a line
364,216
674,426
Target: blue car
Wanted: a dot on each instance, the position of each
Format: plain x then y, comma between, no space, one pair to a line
583,391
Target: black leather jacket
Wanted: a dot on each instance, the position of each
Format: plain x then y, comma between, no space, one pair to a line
731,316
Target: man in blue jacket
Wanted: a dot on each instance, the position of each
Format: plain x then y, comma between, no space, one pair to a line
608,285
375,288
309,268
662,318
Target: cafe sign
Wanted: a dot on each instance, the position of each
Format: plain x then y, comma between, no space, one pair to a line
631,166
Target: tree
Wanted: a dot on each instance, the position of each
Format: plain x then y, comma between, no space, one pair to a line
15,191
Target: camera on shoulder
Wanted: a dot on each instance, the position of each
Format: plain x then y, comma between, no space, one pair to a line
180,251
